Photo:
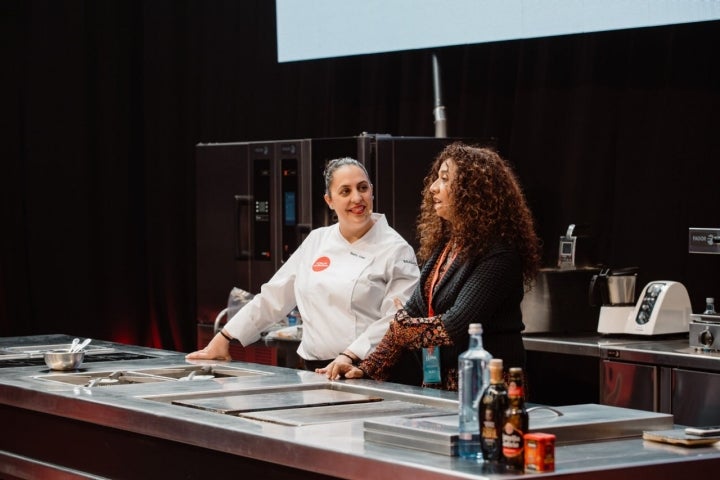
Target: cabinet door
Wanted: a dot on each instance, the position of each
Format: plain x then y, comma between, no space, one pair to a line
629,385
696,397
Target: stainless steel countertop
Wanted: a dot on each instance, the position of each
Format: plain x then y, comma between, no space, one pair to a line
669,350
585,344
336,448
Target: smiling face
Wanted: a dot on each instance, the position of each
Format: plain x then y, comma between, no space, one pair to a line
441,190
350,195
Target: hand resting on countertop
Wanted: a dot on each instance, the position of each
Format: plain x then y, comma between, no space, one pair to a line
217,349
341,367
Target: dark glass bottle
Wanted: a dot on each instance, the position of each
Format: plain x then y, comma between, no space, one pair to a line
516,422
493,405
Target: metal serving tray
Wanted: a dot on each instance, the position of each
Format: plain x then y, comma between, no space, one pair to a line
236,404
149,375
309,404
570,424
297,417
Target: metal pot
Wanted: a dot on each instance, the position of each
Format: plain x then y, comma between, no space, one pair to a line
613,287
64,360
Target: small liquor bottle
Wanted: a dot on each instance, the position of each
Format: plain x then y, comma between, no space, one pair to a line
516,422
492,412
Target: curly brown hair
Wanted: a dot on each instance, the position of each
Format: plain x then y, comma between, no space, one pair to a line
489,204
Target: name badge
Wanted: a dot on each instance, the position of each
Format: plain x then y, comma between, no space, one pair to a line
431,365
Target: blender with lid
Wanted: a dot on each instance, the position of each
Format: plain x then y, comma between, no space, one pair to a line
614,291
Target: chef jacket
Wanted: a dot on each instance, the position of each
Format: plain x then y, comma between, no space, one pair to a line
344,291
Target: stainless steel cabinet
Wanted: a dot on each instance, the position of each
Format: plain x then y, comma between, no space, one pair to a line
692,396
695,397
630,385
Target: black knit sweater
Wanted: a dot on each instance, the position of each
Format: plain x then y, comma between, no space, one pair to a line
486,289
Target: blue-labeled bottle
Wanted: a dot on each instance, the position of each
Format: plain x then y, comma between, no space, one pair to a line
294,318
473,379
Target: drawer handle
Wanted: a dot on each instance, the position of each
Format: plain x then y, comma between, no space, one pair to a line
555,411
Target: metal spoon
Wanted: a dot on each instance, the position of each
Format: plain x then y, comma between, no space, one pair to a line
82,345
73,345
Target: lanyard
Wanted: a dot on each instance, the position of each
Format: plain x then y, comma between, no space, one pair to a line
436,274
431,355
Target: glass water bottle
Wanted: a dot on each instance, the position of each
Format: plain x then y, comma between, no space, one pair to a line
473,378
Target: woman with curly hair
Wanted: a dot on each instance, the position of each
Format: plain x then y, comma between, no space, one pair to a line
479,253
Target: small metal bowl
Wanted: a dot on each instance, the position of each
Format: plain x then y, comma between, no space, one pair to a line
64,360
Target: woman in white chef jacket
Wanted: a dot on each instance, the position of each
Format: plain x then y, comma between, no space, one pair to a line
343,279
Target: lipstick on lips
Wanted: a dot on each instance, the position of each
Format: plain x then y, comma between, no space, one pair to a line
358,209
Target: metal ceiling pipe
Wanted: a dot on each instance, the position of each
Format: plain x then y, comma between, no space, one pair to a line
439,109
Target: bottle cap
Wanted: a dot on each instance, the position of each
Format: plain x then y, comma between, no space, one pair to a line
475,328
516,371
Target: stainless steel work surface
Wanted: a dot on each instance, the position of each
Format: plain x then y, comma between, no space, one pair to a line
254,402
347,412
587,344
190,372
592,422
672,350
29,351
119,377
323,442
40,349
669,352
430,433
570,424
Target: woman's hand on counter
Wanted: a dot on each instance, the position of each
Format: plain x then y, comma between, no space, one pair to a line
217,349
342,366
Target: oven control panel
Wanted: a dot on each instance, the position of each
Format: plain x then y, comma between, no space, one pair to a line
664,307
648,301
705,332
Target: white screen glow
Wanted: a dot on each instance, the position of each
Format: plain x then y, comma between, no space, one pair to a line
313,29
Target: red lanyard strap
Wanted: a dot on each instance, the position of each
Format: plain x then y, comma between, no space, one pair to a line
436,276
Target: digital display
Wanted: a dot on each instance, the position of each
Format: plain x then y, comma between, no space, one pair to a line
289,209
566,252
262,207
262,229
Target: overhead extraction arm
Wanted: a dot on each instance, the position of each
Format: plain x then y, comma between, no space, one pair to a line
439,109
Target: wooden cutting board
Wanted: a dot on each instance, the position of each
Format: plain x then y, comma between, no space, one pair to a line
679,437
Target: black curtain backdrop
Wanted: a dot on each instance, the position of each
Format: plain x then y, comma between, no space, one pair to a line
104,101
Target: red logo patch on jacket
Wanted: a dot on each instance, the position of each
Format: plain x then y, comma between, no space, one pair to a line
321,264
